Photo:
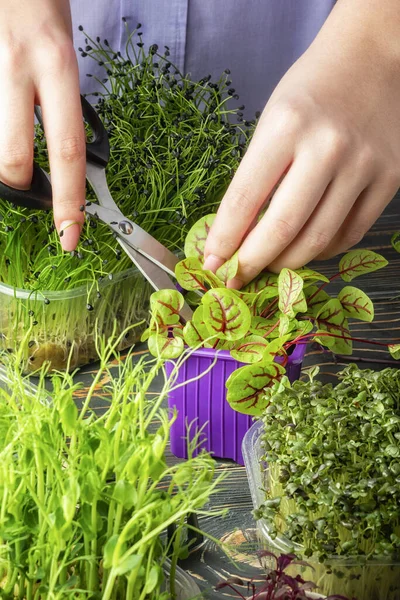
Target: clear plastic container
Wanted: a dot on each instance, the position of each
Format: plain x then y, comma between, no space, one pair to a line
353,577
60,327
185,586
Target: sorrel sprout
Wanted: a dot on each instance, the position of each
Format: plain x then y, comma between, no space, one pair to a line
333,478
87,497
174,147
263,320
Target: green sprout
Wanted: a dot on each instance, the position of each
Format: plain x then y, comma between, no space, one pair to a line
174,148
333,479
87,498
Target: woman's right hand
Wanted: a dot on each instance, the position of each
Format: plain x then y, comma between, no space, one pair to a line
38,66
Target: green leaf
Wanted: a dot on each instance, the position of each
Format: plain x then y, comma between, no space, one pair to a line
356,304
196,238
264,327
68,416
250,349
309,275
108,553
229,269
245,387
275,348
394,350
191,276
125,493
128,564
152,579
191,335
395,241
199,323
290,291
225,314
165,307
331,319
316,299
264,282
165,346
360,262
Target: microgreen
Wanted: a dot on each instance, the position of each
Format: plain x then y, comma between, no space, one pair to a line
174,147
263,321
333,475
87,498
277,583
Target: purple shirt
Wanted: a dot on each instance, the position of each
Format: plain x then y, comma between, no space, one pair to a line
258,40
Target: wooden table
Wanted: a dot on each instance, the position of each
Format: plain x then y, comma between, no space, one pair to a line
237,529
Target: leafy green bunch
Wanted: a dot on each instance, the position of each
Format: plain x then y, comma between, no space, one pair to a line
261,322
86,498
333,454
174,146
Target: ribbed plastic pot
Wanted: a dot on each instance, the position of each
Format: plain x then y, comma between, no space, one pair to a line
202,408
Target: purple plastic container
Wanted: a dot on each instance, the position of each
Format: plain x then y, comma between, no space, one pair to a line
202,405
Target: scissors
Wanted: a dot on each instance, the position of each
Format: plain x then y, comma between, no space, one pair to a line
154,260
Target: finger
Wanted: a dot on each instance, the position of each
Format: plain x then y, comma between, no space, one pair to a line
364,213
258,173
293,203
324,223
63,123
16,130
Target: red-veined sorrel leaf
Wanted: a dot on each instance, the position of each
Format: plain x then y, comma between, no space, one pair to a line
191,335
225,314
196,238
250,349
165,306
316,299
395,241
199,323
359,262
285,324
290,289
266,328
249,298
263,281
394,350
309,275
245,387
301,328
356,304
229,269
191,276
163,346
332,320
300,305
275,348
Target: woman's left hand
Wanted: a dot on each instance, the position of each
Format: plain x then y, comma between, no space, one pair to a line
331,135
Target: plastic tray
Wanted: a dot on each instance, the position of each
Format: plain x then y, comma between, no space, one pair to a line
353,577
202,408
63,324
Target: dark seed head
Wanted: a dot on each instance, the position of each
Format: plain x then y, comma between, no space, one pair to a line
46,301
89,306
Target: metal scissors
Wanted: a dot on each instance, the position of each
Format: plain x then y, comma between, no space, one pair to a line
154,260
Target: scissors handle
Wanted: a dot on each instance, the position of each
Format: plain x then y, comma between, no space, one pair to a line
39,195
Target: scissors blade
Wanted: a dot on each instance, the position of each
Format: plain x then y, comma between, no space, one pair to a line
135,237
156,276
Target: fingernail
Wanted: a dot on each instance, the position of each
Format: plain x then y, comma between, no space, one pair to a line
69,235
234,284
213,263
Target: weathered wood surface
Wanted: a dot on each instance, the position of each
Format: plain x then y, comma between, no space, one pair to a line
209,564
